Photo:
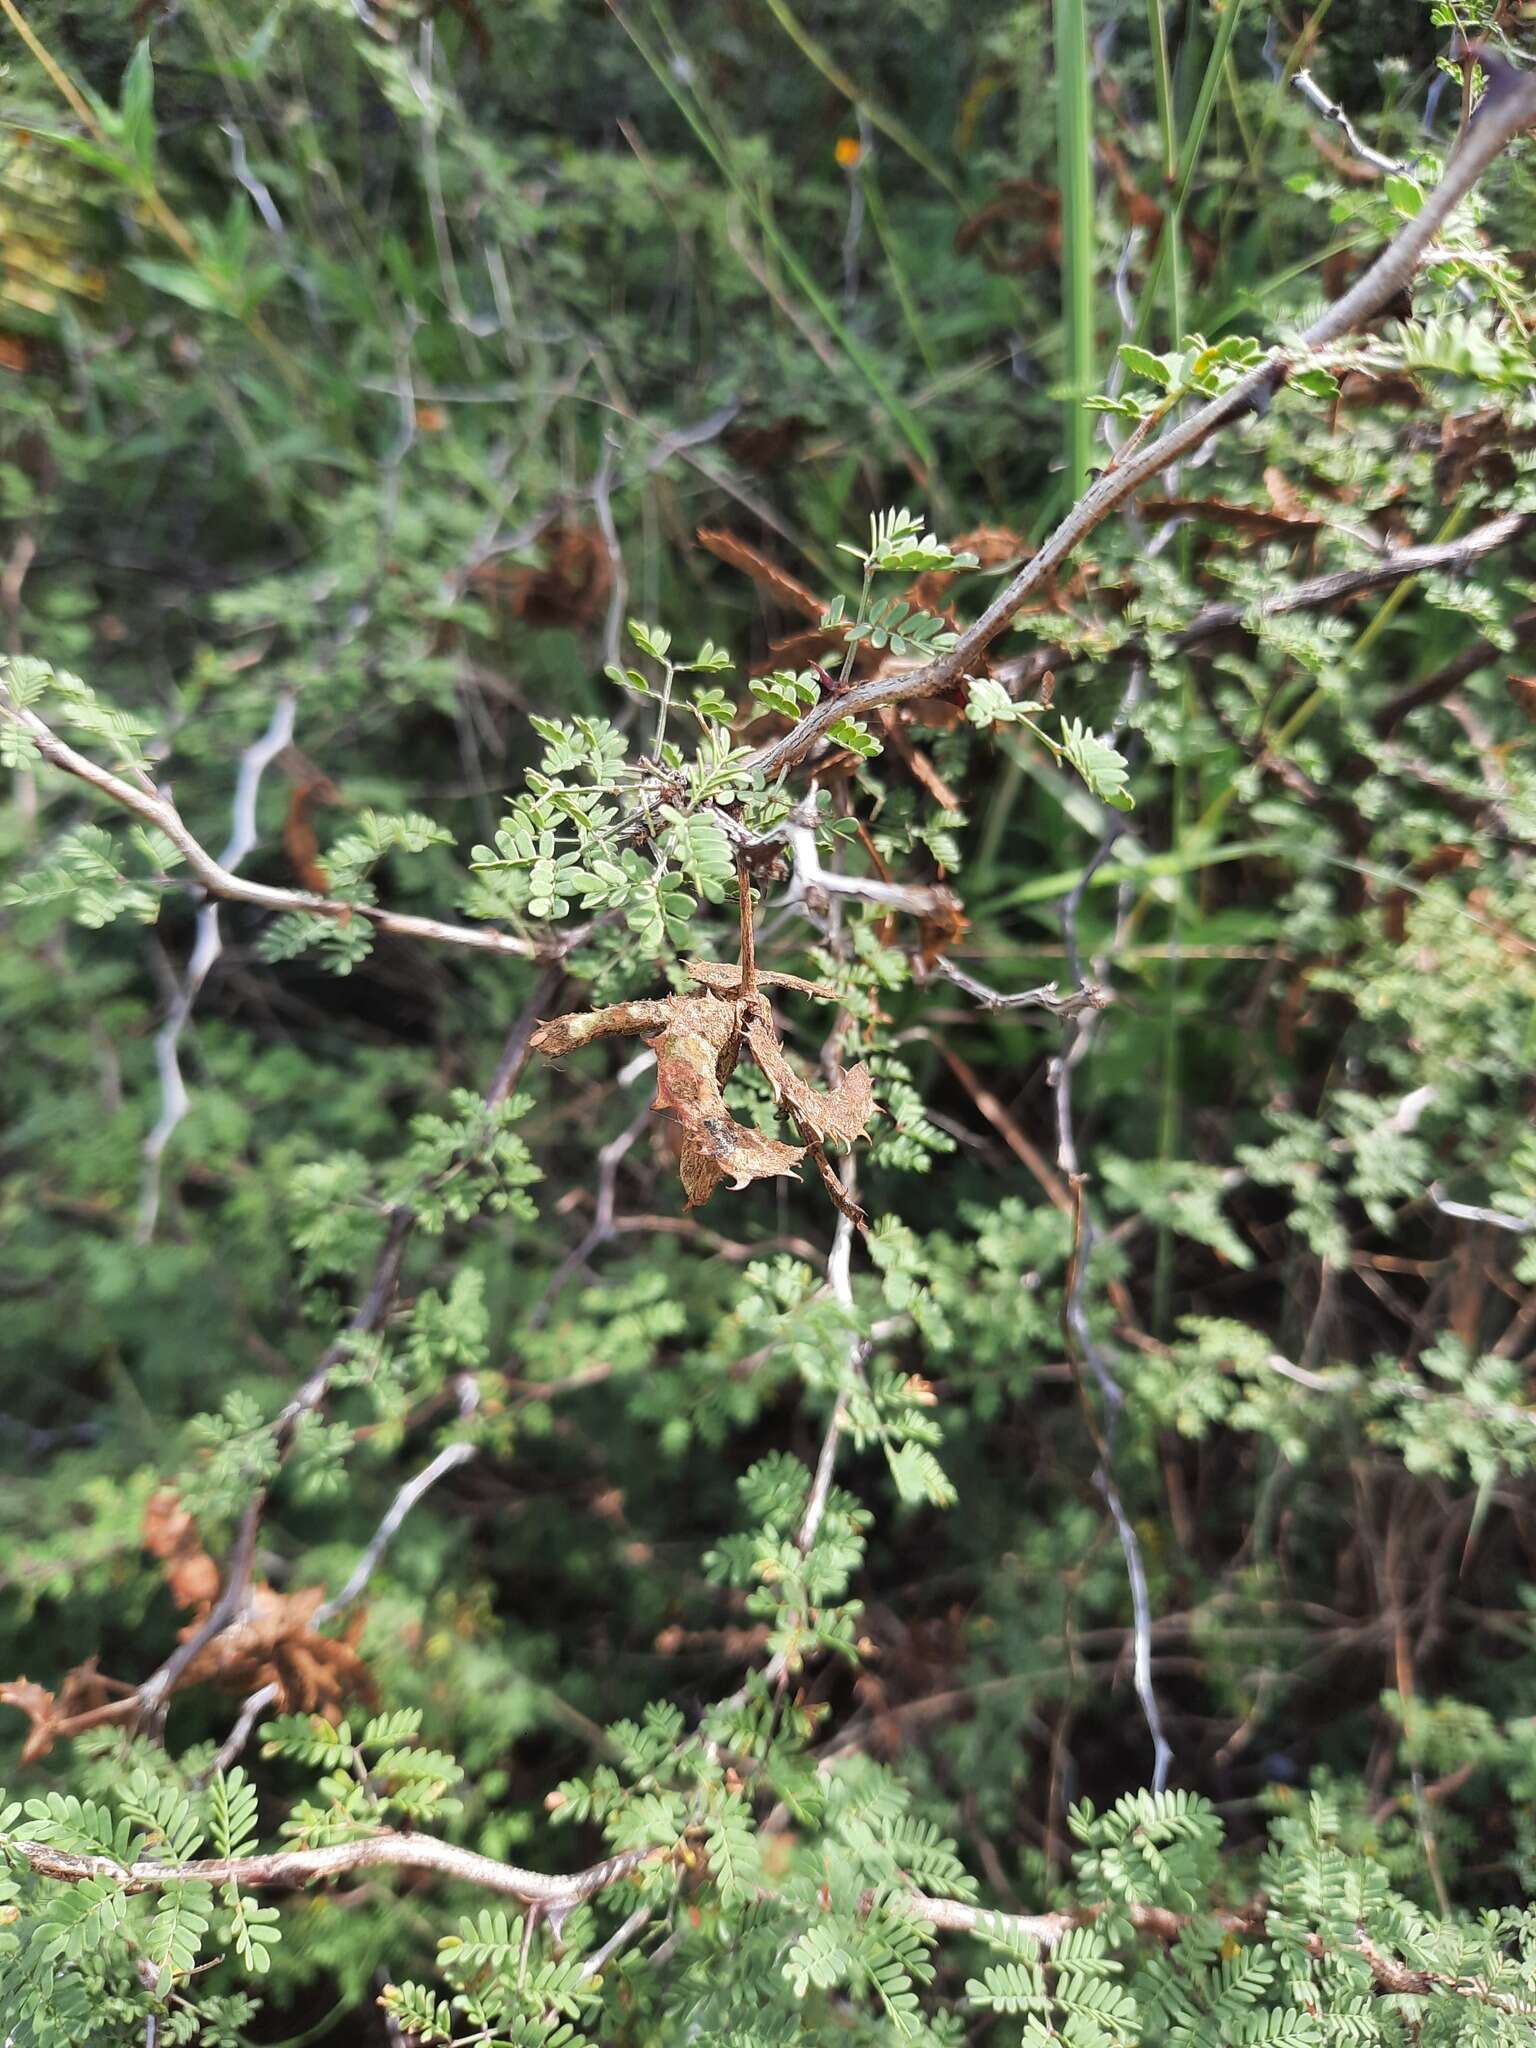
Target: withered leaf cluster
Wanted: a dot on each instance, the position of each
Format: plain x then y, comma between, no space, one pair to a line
271,1642
698,1040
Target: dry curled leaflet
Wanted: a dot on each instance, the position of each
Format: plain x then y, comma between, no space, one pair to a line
698,1040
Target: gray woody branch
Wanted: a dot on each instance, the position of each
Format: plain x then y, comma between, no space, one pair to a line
1500,117
1330,110
1395,565
291,1869
209,944
558,1894
218,880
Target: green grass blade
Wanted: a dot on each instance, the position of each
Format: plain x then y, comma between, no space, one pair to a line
1074,155
877,116
901,415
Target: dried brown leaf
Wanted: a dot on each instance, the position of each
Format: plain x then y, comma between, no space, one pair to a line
842,1113
166,1527
570,588
1353,169
695,1054
1475,444
193,1579
168,1532
922,769
1358,389
790,592
800,647
1257,520
40,1708
560,1035
940,931
1016,199
274,1644
767,448
697,1040
991,545
1283,494
84,1689
1138,208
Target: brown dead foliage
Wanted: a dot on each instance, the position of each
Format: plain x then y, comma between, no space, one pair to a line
1137,209
40,1708
768,447
1352,169
789,591
696,1050
301,843
1021,201
1359,391
1258,522
86,1699
741,1645
272,1643
1441,860
797,649
917,763
1475,445
945,928
698,1040
570,588
1016,199
169,1533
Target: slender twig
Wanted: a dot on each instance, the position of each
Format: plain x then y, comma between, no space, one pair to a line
216,878
1330,110
618,594
1088,997
252,1707
1081,1345
621,1937
159,1686
1161,1923
207,945
519,1041
246,178
370,1312
915,898
1512,111
291,1869
450,1456
840,1286
609,1159
748,932
555,1895
1396,565
1432,688
1496,1219
1453,557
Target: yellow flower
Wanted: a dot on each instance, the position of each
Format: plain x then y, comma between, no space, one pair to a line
848,151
